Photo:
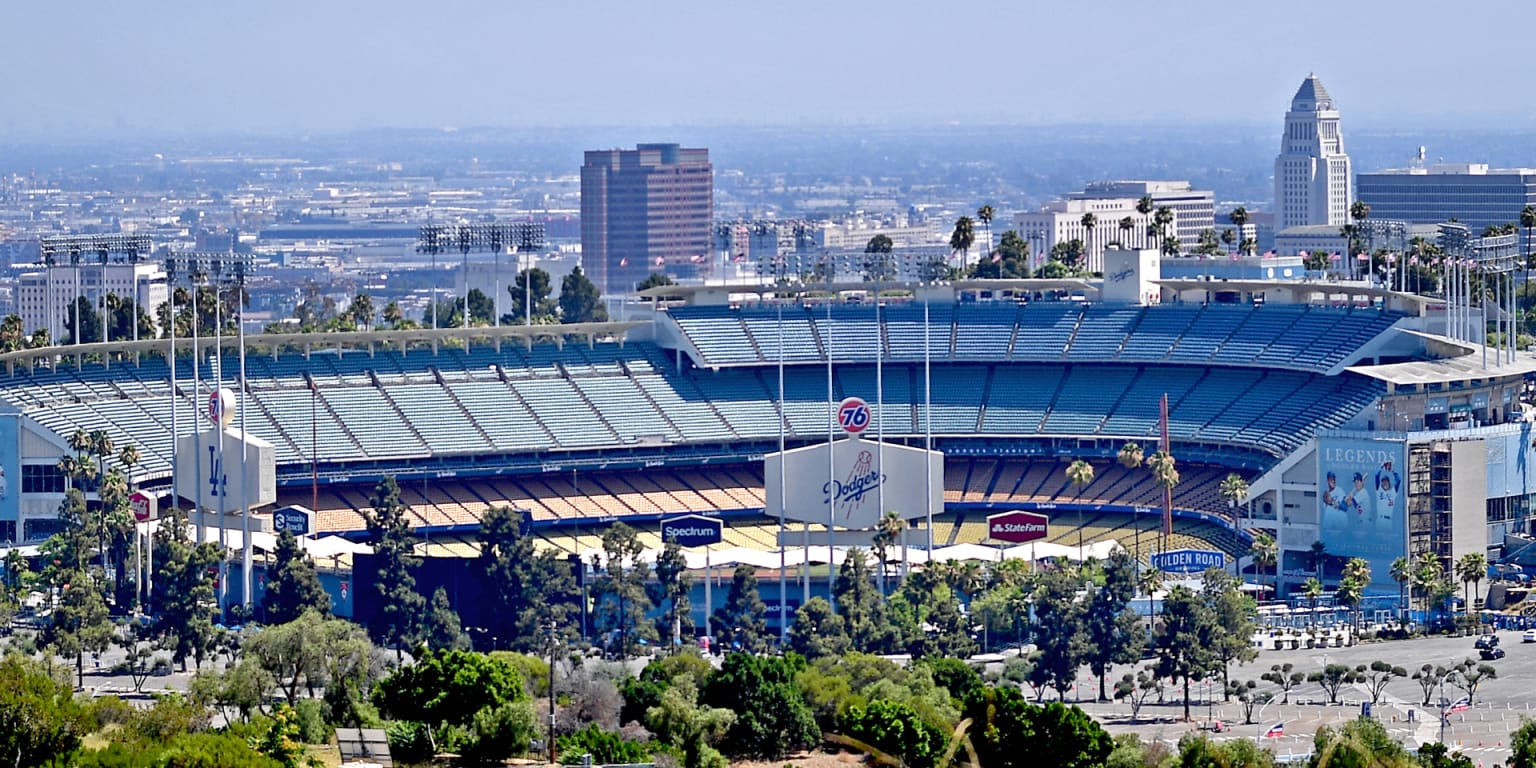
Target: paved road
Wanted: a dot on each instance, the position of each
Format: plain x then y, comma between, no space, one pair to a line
1481,732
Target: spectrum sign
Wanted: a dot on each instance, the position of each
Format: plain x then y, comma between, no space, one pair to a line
692,530
1017,527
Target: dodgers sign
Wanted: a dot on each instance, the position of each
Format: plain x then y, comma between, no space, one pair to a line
854,415
1018,527
1188,560
847,489
692,530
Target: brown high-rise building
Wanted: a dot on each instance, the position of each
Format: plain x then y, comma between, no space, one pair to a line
645,210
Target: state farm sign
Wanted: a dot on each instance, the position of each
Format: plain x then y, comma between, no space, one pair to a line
1017,527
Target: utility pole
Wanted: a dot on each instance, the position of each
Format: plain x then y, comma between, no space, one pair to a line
552,645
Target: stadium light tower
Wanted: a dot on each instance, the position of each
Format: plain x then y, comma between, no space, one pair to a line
227,273
127,248
523,236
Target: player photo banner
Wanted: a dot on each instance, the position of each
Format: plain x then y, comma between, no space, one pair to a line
1361,499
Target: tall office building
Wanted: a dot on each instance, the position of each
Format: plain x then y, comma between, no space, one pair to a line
1471,193
46,299
1312,173
645,210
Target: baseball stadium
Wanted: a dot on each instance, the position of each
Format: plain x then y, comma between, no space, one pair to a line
1287,384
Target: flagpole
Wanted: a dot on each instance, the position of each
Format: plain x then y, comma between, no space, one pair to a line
831,445
928,424
783,560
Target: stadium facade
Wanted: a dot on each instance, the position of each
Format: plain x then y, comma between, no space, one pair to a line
1355,420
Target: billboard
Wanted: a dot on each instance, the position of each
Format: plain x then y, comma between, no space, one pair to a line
10,468
1362,508
857,477
202,470
692,530
1018,527
1188,560
294,519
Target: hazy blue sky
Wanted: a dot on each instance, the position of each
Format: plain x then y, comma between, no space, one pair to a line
311,65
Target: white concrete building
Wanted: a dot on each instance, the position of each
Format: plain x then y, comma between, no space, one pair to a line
1193,209
1061,221
1313,180
44,299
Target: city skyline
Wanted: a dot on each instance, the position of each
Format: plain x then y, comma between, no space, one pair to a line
190,68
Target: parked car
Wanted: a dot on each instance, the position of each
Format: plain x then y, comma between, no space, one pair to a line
1486,641
1529,636
1489,654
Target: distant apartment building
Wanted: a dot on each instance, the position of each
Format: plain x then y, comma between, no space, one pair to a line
1111,203
1471,193
45,299
1312,172
645,210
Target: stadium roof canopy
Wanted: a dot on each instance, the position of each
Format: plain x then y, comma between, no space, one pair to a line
1310,291
1464,367
273,343
948,289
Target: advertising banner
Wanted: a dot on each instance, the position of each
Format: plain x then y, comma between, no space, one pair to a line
1188,560
1362,507
1018,527
859,474
10,467
692,530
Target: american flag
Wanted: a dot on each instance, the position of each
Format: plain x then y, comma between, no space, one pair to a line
1275,731
1334,257
738,258
624,262
660,261
1362,256
697,258
1460,705
997,256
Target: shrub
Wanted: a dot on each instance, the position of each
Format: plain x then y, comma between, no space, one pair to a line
896,729
605,747
111,709
309,714
409,742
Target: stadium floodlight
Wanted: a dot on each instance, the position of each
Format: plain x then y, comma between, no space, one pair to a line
494,237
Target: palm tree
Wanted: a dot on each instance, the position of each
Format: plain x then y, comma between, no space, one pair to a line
1312,590
1265,553
1126,225
1089,221
1359,211
1470,569
1234,490
1428,572
1402,573
887,533
1144,207
1163,218
962,239
1149,582
1080,473
1131,455
1319,555
1239,219
1352,586
1528,220
984,215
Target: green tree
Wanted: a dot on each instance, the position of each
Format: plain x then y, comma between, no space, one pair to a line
41,720
619,590
1239,218
1402,573
772,719
1232,627
184,591
1333,677
862,607
294,584
532,281
530,589
1058,631
1522,745
397,623
1377,676
580,301
1136,690
1009,732
896,729
742,621
653,280
680,721
480,696
1360,742
1181,650
360,311
1528,221
878,266
1469,675
441,629
817,631
79,623
1112,630
1285,676
670,591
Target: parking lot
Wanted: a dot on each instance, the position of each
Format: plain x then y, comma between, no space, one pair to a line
1482,731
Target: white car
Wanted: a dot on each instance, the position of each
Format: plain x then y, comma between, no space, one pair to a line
1529,636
